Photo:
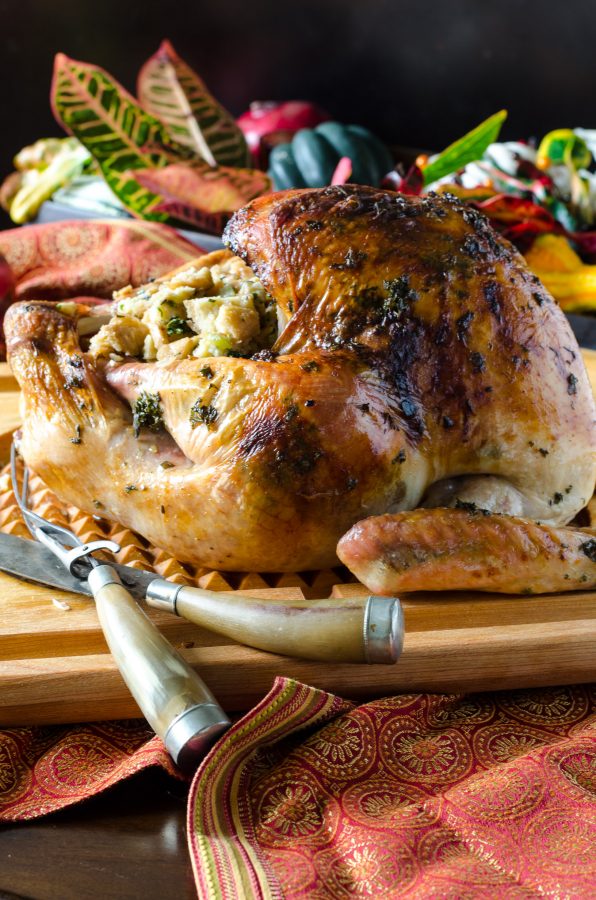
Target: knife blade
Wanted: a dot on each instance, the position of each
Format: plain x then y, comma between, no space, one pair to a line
31,561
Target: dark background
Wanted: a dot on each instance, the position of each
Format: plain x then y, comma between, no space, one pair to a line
419,72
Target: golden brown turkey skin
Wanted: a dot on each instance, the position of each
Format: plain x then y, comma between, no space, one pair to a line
288,465
454,549
420,349
480,368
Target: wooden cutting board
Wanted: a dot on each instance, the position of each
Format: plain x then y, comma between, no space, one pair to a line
55,666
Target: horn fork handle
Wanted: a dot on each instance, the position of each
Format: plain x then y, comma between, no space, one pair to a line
356,630
177,704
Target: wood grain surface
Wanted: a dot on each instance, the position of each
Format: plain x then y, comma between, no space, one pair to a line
127,843
55,666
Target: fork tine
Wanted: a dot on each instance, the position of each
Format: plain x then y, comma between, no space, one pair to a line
21,493
25,487
15,482
32,520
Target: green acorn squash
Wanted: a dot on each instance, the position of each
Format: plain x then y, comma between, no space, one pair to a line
312,157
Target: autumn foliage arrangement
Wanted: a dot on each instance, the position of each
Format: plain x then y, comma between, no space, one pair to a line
173,155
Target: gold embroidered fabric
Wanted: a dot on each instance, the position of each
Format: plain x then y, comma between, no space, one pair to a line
418,796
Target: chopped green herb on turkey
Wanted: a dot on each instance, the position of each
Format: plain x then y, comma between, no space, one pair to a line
202,414
146,412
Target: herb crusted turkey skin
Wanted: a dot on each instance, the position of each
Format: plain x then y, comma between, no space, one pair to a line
419,349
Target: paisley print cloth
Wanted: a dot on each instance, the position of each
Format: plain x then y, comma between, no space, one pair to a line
418,796
308,796
90,258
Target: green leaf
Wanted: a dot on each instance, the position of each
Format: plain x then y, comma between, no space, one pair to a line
467,149
120,135
169,89
135,197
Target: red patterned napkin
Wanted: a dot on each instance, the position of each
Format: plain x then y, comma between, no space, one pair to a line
418,796
43,769
90,258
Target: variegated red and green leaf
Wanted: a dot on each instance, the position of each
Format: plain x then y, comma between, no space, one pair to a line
137,199
173,92
121,136
202,195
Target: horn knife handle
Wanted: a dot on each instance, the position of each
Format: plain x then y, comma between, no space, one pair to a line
174,700
353,630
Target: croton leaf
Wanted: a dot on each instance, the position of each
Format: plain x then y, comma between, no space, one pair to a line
513,210
121,136
202,195
467,149
170,89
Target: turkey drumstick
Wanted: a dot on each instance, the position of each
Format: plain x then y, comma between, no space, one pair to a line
468,549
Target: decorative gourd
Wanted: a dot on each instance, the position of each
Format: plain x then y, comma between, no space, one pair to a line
312,157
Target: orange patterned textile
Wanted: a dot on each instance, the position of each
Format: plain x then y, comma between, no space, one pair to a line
417,796
43,769
90,258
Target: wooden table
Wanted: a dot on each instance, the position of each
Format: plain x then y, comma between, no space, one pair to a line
126,844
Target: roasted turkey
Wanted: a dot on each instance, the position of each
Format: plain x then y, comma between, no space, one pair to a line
392,352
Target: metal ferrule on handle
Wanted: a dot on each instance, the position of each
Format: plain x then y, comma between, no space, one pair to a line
359,629
174,700
383,629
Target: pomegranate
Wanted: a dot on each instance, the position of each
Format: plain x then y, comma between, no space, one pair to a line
265,117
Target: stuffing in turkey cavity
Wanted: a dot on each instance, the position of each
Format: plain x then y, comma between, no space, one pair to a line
199,311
